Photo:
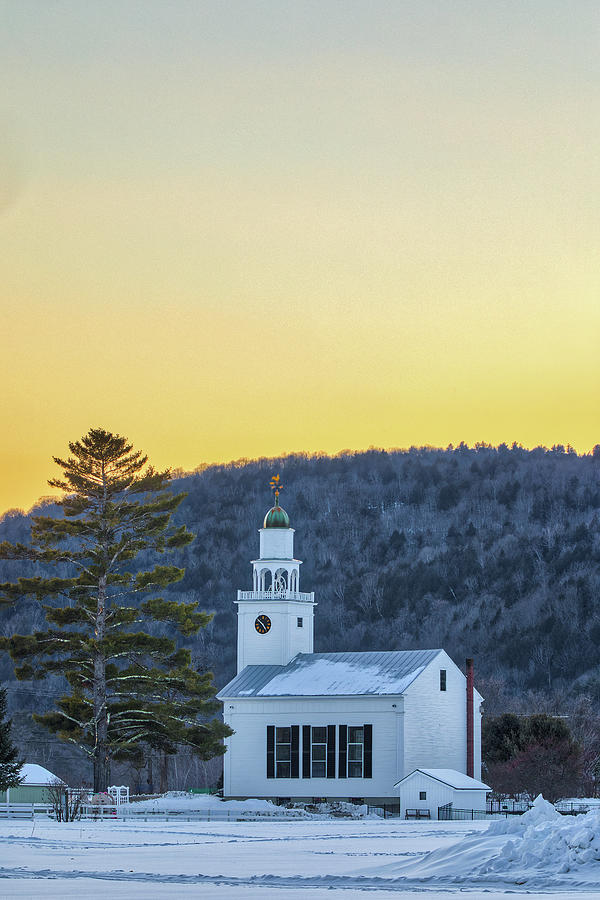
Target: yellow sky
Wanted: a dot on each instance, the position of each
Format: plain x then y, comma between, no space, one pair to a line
243,229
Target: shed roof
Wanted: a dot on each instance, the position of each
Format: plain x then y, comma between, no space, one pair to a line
31,773
450,777
332,674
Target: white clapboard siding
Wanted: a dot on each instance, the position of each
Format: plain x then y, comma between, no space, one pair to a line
245,759
436,721
438,793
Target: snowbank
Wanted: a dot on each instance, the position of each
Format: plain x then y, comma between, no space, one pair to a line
541,812
339,809
531,849
543,839
181,802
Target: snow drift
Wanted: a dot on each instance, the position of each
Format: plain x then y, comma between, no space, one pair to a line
536,848
182,802
543,839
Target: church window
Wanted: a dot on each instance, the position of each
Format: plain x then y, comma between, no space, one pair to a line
355,755
318,751
299,622
442,679
356,738
283,751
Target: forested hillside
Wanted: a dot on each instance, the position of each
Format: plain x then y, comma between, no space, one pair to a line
487,552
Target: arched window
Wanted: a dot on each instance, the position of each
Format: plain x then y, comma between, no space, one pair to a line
265,580
280,582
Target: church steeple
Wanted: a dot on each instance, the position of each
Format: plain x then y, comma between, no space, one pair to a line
276,570
275,620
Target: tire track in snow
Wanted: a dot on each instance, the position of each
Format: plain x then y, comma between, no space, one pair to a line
331,882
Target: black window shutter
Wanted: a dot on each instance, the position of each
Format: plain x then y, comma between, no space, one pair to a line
368,762
306,751
295,751
270,751
331,751
343,752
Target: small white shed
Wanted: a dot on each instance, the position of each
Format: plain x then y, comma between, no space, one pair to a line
425,790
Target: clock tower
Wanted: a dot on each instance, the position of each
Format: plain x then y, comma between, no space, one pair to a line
275,619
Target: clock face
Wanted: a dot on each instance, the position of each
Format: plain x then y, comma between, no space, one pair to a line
262,624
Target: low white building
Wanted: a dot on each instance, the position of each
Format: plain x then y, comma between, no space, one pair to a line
425,791
333,725
34,785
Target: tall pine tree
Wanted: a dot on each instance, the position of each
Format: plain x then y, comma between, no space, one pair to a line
10,764
127,687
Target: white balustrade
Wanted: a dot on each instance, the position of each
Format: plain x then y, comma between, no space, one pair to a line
276,595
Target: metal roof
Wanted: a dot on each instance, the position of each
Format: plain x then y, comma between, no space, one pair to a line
332,674
450,777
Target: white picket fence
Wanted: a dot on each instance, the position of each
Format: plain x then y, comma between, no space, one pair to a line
108,811
31,810
209,815
106,806
24,810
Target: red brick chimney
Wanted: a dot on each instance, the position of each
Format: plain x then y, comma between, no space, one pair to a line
470,721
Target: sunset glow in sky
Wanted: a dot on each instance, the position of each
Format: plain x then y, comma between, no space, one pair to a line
244,228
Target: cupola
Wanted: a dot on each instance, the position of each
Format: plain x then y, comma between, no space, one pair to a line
276,518
275,619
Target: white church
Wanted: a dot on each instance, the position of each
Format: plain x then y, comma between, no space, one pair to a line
367,727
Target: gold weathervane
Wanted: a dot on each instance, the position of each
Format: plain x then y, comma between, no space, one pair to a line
276,486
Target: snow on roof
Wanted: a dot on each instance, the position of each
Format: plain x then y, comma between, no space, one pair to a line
450,777
332,674
31,773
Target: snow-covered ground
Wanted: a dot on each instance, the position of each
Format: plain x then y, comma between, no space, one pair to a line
540,854
204,805
188,804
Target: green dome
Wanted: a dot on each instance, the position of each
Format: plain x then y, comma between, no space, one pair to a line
276,518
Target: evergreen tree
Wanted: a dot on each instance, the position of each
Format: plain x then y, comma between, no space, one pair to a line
10,764
127,687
